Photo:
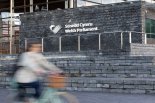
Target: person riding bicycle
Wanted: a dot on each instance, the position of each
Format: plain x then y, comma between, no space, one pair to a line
32,64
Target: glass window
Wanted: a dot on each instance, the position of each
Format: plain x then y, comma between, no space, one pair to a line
150,28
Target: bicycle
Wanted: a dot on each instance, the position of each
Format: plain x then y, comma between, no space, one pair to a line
50,94
53,96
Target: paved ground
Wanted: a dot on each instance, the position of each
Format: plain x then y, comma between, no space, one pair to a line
96,97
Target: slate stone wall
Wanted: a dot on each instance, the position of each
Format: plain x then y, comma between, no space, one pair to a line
96,71
106,18
142,49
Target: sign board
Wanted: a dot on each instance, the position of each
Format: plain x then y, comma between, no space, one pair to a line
74,28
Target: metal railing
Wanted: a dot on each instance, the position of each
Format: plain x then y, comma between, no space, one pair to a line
5,48
59,42
130,35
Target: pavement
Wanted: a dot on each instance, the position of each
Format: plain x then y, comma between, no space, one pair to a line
96,97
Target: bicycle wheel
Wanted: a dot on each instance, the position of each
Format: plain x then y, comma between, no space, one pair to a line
65,98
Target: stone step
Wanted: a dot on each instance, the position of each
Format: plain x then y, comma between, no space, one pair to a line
89,60
111,72
107,71
122,85
109,75
109,67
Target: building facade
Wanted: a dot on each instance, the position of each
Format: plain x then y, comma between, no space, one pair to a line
122,62
108,20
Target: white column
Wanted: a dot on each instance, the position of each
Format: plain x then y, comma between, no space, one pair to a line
42,42
75,3
99,42
47,4
79,44
130,38
31,5
60,44
71,3
66,4
11,23
145,42
1,24
25,44
121,40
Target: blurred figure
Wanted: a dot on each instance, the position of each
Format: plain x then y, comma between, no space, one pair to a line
32,64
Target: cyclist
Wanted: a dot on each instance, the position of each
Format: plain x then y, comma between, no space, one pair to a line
32,64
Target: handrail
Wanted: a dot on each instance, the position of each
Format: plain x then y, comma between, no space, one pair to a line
80,34
121,33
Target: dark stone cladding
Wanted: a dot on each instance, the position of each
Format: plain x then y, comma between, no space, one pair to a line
126,16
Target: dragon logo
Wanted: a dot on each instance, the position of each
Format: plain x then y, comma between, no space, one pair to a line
55,29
